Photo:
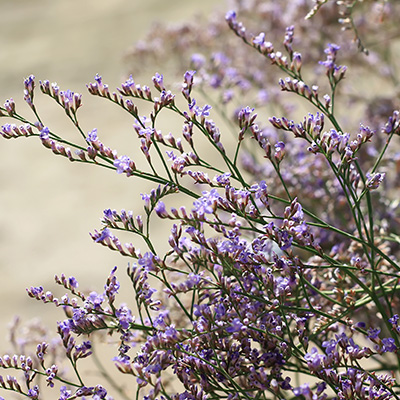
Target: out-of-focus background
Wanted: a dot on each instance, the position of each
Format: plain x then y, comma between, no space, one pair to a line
49,205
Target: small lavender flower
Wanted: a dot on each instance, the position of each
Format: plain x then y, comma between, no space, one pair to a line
9,106
374,180
230,16
124,316
315,361
223,180
259,39
331,52
187,86
33,393
64,393
235,326
207,203
44,133
73,282
92,136
279,151
202,111
160,210
158,81
105,234
388,345
123,164
29,84
373,333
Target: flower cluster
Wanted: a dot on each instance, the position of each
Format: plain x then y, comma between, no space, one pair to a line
281,276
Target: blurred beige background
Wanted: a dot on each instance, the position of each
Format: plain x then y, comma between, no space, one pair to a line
48,205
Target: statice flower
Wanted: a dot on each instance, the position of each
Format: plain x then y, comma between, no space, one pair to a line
331,52
223,180
260,39
123,164
200,111
374,180
105,234
282,266
206,204
92,135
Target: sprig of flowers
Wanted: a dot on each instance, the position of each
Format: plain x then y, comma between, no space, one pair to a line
284,264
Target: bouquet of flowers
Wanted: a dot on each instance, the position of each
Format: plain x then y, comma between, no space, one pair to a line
281,279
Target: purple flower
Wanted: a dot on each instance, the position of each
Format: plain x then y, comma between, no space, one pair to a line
282,286
44,133
147,133
64,327
373,333
314,360
100,392
188,77
147,200
108,214
279,151
94,300
260,192
215,81
220,311
33,393
192,105
129,82
332,49
73,282
260,39
223,180
303,390
158,81
329,345
207,203
245,116
98,79
230,16
374,180
286,240
68,95
112,286
160,210
78,314
105,234
203,112
331,52
9,105
29,83
388,345
162,319
123,164
236,326
36,291
171,333
7,128
125,317
92,135
147,261
220,59
64,393
85,347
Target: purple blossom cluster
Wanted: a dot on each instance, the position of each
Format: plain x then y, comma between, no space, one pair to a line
281,277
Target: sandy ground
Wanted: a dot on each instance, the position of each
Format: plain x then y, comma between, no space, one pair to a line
49,205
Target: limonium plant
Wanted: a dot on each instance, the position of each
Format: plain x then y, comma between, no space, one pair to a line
281,280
